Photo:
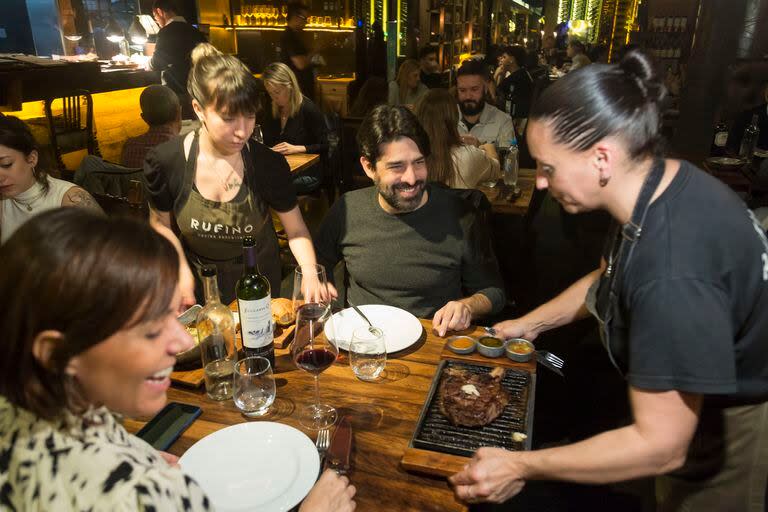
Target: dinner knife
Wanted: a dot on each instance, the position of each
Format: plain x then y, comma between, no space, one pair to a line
339,453
359,312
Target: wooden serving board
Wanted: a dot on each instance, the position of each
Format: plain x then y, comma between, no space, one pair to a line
196,377
445,464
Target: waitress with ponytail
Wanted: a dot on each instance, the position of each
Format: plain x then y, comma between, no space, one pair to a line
681,298
214,186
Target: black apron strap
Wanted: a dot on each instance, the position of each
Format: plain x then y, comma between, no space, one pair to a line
626,237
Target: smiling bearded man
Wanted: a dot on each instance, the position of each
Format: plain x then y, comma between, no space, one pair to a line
407,243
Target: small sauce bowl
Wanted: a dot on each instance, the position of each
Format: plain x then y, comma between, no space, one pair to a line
520,350
462,344
490,346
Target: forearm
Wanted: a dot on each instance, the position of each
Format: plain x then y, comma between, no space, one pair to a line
613,456
563,309
302,250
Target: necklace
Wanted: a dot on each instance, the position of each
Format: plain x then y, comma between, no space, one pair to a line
27,205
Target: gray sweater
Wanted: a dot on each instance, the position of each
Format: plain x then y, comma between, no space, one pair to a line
416,261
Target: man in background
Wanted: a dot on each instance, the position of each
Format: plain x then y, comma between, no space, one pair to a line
175,42
430,67
294,49
161,110
480,122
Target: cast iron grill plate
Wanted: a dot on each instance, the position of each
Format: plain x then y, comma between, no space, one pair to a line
434,431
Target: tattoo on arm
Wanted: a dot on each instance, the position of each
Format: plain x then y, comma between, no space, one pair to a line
76,196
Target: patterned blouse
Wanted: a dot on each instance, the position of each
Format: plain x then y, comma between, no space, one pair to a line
86,462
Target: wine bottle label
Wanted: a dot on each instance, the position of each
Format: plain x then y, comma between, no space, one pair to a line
256,322
721,138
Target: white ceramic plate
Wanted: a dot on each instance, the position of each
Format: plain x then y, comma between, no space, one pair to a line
401,329
264,466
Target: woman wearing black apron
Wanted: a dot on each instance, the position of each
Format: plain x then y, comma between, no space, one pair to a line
681,298
215,186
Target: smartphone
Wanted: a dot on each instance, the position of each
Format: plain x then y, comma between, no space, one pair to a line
165,428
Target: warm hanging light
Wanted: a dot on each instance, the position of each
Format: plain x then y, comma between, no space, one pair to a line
136,32
114,31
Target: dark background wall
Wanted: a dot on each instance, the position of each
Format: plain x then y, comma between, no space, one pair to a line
15,21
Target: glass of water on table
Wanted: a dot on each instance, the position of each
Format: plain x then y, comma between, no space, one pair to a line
368,352
254,389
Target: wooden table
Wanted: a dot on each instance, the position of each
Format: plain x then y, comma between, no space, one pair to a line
526,182
301,161
383,416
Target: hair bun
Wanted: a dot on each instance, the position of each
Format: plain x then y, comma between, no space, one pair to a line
202,51
639,67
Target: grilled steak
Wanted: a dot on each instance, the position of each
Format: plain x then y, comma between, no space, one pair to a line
472,400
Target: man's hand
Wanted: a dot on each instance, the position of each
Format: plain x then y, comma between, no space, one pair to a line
493,475
331,493
470,140
288,149
454,316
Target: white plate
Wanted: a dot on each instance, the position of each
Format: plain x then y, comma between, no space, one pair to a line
401,329
262,466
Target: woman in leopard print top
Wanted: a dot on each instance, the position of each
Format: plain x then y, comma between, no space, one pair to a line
62,374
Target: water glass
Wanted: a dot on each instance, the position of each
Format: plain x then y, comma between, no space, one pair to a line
367,353
254,386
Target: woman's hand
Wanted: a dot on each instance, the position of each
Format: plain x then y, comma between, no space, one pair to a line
493,475
515,328
331,493
314,291
170,458
288,149
186,286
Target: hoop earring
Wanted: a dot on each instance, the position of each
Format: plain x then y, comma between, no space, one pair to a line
604,181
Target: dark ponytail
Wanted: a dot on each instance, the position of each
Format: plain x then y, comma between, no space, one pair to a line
604,100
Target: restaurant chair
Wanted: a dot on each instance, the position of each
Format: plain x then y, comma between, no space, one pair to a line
351,175
72,130
118,190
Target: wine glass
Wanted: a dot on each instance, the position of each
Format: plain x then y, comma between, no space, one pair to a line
257,135
314,352
310,285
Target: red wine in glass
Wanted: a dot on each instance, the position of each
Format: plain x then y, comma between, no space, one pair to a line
315,360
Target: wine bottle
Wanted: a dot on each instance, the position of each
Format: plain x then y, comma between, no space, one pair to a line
719,140
254,303
216,331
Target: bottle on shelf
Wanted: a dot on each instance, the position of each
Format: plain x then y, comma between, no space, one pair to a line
254,301
749,140
719,139
216,332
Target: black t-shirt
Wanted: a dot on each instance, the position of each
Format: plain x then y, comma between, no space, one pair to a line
694,298
175,43
165,165
306,128
517,88
293,45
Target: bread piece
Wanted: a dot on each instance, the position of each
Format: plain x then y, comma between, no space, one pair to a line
282,312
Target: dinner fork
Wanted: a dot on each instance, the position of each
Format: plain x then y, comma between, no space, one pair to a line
551,361
322,443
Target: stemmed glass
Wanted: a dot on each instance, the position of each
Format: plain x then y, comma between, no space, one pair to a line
312,350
